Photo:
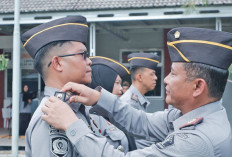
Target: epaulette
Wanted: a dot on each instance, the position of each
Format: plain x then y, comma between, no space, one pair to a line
193,123
134,97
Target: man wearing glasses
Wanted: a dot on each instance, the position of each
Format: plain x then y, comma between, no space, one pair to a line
60,56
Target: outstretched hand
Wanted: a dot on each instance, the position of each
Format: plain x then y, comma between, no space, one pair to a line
83,94
58,114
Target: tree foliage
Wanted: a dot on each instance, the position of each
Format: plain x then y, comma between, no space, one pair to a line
190,5
3,62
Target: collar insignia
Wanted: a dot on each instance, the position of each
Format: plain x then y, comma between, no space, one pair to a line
193,122
134,97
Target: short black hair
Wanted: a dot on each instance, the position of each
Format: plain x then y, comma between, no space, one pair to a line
134,71
215,78
44,53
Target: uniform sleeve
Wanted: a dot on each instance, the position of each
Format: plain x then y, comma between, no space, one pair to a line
37,139
42,140
181,145
135,121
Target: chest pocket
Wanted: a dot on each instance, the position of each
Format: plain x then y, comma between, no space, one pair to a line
114,134
117,138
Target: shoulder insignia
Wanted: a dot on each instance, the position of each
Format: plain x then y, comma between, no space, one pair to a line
134,97
53,131
167,142
193,122
113,128
59,146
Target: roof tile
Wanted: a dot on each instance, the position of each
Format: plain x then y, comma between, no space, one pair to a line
7,6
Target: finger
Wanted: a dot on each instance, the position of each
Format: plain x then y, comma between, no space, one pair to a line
73,99
67,87
45,117
73,87
45,110
53,99
79,99
49,103
76,98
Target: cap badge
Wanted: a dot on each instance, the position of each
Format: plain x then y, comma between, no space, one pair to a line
177,34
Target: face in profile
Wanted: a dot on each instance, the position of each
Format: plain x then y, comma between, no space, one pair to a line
176,85
117,89
148,79
77,67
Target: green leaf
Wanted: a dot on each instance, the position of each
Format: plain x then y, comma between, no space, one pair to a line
190,5
3,62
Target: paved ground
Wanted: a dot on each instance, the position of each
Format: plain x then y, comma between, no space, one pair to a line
6,142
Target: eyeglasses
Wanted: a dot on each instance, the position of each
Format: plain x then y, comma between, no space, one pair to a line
84,54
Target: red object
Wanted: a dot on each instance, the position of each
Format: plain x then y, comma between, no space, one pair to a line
194,122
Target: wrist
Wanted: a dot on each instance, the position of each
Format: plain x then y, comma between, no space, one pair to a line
69,123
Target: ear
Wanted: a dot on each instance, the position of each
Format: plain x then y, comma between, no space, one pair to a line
139,77
199,87
56,63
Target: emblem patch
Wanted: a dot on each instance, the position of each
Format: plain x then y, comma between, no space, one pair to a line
167,142
59,146
134,97
53,131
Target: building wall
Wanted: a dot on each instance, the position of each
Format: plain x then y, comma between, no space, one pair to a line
1,93
227,100
6,42
109,45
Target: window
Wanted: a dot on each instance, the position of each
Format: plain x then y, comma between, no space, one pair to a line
28,75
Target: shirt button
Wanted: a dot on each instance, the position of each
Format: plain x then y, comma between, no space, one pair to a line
73,133
120,148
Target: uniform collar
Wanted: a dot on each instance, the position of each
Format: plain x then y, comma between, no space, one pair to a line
141,98
49,91
202,111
